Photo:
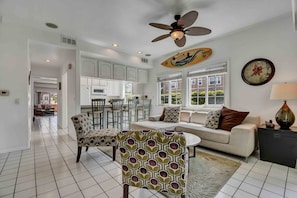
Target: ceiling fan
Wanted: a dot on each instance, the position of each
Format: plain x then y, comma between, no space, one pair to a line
178,31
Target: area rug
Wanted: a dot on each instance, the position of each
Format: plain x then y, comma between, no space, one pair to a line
208,173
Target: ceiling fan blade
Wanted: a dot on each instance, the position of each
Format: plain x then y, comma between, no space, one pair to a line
161,26
181,42
161,37
196,31
188,19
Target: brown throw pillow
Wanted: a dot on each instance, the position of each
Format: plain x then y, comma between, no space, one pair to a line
163,115
231,118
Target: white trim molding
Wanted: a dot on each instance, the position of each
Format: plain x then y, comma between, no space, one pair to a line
294,14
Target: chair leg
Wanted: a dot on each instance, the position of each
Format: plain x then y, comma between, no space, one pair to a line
93,116
78,153
125,191
114,149
87,148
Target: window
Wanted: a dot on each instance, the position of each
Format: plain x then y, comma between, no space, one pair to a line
128,90
170,90
214,80
210,87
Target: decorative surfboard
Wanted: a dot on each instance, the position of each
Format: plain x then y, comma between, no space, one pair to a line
187,58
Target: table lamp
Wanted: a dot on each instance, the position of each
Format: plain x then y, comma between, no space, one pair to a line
285,91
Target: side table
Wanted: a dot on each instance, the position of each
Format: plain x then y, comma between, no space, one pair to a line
278,145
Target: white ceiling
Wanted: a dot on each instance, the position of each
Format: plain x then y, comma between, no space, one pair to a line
125,22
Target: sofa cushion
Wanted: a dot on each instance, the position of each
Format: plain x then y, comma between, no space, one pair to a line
214,135
231,118
157,125
172,114
213,119
185,116
198,117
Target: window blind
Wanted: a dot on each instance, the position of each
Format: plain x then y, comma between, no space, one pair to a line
214,69
169,77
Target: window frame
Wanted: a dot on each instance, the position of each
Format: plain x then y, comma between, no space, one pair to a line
170,91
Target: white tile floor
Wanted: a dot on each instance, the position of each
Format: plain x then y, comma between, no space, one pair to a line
48,170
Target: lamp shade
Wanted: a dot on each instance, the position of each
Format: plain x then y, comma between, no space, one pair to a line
284,91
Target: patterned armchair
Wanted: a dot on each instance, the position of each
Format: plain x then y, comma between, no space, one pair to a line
87,137
153,160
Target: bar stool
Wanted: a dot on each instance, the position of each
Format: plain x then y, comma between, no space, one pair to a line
130,112
116,112
97,112
145,109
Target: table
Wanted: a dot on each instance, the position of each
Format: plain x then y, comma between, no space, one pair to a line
278,145
192,141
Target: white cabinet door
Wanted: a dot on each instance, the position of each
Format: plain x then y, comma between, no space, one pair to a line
119,72
89,67
85,95
142,76
131,74
105,70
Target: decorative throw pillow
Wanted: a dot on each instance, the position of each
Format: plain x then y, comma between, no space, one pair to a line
172,114
163,115
231,118
213,119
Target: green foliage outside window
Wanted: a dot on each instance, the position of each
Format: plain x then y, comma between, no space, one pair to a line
201,98
176,98
54,98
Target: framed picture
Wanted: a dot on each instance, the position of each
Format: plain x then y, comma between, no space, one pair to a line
258,71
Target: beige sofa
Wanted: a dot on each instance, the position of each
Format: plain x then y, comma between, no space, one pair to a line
241,140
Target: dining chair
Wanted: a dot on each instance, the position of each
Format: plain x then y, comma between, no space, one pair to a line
129,113
144,109
153,160
115,114
97,112
86,137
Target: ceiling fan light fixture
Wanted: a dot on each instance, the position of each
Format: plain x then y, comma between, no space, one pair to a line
177,34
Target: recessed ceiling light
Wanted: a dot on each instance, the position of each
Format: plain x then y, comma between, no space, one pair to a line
47,60
115,45
140,52
51,25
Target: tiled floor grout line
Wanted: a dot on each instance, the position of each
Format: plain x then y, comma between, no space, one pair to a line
50,165
244,178
265,179
50,133
87,170
4,163
286,182
34,151
17,176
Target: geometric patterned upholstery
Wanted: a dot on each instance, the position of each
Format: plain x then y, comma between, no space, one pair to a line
154,160
172,114
88,137
213,119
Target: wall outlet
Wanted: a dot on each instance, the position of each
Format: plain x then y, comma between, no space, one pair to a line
4,92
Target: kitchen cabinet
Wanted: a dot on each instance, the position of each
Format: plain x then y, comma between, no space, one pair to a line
85,98
89,67
131,74
119,72
142,76
105,70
